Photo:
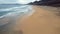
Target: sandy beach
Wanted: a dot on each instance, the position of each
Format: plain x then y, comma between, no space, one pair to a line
43,21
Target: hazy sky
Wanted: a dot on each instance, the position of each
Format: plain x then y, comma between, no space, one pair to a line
16,1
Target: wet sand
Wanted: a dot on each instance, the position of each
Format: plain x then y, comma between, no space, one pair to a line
43,21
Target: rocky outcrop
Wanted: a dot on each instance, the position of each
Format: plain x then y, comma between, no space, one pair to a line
47,2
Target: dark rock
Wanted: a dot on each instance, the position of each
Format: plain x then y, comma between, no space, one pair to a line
47,3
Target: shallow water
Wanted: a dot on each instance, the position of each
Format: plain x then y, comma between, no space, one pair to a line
9,14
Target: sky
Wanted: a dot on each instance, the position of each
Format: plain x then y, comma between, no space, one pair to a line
16,1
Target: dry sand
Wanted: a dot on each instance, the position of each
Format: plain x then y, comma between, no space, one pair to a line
43,21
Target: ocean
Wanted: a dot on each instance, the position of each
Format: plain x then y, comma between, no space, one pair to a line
9,8
10,12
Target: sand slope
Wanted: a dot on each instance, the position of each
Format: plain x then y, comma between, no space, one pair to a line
42,21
